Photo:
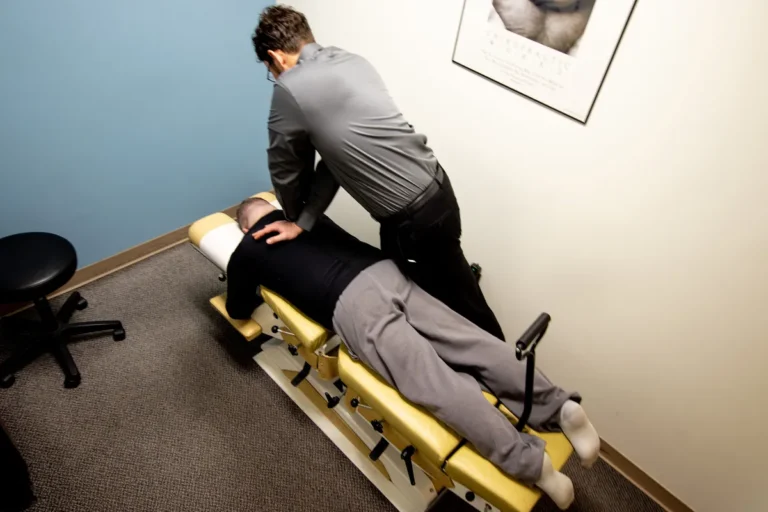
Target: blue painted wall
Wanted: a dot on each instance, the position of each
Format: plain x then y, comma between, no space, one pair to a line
121,121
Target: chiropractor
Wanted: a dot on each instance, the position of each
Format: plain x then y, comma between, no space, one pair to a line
334,102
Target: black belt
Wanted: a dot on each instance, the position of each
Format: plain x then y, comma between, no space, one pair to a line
417,204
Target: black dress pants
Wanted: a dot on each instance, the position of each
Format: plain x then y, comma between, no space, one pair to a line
425,243
15,486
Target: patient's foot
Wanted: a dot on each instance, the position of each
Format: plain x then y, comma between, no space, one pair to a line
580,432
555,484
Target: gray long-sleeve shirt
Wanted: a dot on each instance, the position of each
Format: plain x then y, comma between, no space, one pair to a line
336,103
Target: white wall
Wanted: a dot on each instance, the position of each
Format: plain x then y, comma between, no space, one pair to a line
644,233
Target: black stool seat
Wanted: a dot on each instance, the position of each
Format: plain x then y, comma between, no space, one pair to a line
32,266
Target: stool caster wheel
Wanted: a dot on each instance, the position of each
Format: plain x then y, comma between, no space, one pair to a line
118,335
72,381
81,304
7,381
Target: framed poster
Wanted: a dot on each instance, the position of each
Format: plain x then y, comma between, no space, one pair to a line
556,52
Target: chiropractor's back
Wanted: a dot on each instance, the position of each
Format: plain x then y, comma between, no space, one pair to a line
311,271
341,102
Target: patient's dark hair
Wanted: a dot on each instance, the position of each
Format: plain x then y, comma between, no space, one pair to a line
281,28
245,207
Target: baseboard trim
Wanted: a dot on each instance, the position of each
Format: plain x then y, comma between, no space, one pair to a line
641,479
119,261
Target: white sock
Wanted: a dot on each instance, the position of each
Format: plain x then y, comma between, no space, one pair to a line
555,484
580,432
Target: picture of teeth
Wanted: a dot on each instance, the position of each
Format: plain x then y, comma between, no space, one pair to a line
556,52
558,24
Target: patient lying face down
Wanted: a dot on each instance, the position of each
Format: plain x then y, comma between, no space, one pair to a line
416,343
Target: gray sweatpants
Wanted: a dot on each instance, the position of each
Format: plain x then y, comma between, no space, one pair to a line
429,353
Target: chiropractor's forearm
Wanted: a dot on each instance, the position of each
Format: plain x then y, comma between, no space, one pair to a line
291,155
289,197
324,188
291,173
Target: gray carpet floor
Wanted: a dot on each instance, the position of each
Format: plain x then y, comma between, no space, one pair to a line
178,417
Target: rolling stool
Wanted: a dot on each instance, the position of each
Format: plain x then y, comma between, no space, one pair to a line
33,265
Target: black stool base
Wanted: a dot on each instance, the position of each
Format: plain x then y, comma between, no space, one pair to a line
51,335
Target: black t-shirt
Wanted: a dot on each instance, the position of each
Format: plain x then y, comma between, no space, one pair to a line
310,271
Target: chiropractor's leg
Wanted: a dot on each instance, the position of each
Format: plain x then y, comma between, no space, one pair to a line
428,249
371,317
466,348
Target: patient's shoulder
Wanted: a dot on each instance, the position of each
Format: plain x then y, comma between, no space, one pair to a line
246,251
326,227
332,235
327,223
237,257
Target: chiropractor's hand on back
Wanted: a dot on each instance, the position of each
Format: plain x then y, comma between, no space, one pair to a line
285,231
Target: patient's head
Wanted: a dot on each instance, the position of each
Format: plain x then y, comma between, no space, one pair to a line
251,211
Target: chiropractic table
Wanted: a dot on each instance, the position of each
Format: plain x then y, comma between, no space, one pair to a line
409,455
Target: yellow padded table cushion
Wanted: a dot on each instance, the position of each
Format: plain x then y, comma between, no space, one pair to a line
311,334
250,329
483,478
427,434
203,226
207,224
435,440
267,196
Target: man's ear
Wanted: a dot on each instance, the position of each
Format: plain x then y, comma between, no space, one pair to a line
278,60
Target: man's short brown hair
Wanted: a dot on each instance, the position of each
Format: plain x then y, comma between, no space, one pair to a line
281,28
242,211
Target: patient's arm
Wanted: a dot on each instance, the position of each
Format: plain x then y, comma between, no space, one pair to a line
323,190
290,154
242,285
